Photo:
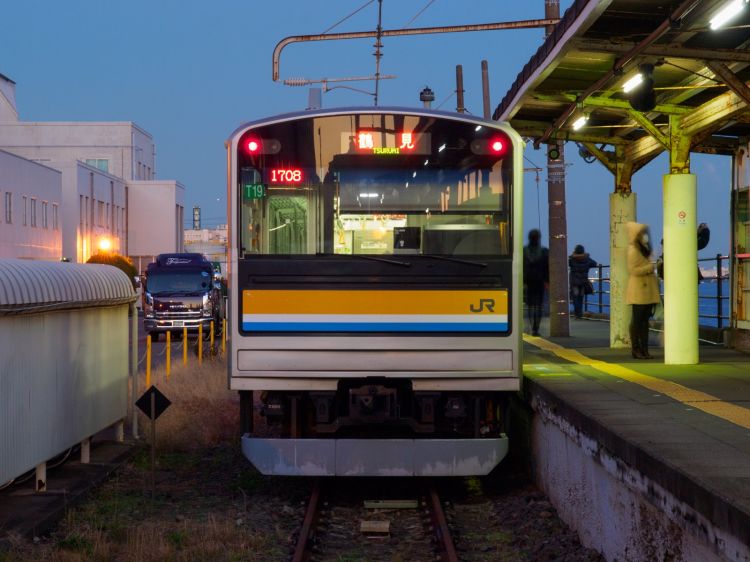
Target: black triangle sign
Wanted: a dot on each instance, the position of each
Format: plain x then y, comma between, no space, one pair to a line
161,402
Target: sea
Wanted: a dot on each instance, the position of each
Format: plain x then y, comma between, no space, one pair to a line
709,307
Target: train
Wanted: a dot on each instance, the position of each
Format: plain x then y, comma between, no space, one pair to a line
375,286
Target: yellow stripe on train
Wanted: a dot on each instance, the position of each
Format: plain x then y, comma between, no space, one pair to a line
262,301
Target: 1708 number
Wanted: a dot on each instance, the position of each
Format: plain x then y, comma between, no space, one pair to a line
282,175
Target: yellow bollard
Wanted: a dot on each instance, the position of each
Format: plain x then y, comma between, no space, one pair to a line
184,346
211,337
223,336
200,343
169,353
148,361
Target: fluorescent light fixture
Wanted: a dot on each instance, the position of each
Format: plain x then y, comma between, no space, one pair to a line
407,184
442,147
729,10
478,128
369,195
426,161
414,175
632,83
580,122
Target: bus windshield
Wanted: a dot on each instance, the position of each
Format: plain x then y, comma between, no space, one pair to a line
375,184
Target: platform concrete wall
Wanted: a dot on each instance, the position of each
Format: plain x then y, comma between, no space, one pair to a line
614,508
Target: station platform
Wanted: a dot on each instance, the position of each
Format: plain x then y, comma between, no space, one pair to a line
677,436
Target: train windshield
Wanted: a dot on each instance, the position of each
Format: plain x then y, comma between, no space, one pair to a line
375,184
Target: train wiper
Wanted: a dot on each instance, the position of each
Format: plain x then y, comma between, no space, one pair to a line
454,260
384,260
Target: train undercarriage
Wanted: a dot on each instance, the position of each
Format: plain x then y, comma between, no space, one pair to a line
374,427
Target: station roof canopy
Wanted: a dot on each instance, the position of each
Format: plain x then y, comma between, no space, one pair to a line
700,78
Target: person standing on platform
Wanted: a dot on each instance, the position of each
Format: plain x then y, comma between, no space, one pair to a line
535,277
643,287
580,286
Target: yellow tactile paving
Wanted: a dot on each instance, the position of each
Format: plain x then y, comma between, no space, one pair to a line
693,398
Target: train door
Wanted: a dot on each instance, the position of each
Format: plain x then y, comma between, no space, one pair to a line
289,222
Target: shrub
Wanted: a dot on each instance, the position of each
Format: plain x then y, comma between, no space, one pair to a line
120,262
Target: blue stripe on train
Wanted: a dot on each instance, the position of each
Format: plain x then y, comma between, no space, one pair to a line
373,327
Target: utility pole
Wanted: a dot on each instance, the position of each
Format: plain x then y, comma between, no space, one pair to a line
559,304
486,90
378,47
460,89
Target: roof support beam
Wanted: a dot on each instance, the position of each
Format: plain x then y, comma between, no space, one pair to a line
713,114
722,55
645,147
733,83
535,129
611,103
649,126
680,141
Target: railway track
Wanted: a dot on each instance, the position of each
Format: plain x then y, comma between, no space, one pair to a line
351,524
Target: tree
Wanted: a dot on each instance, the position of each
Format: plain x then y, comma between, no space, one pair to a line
122,263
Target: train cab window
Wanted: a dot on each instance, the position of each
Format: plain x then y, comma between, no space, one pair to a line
367,184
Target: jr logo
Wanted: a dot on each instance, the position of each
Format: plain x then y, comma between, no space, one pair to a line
489,304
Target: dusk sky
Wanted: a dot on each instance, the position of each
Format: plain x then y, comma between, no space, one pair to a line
190,72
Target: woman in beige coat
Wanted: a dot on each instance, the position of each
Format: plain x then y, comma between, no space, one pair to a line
643,287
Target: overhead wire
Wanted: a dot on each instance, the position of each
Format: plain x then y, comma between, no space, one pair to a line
342,20
419,13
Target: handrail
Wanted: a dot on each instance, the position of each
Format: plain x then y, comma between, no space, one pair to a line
719,298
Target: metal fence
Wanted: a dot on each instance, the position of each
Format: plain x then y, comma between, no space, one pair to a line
598,301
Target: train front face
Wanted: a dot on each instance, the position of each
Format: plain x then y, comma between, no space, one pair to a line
375,268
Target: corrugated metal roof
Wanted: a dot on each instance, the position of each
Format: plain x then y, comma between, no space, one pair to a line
34,286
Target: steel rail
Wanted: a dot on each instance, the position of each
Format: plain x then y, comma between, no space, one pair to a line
440,527
303,549
520,24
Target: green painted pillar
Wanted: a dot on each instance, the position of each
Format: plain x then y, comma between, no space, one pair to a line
621,211
680,270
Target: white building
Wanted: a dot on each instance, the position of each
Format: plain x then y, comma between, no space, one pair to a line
107,170
156,213
94,210
211,242
30,219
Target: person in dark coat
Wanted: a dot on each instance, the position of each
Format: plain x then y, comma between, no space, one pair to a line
704,237
580,286
535,277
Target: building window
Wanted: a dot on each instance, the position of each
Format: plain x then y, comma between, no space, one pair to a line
101,163
100,213
55,224
33,212
8,207
45,223
25,209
